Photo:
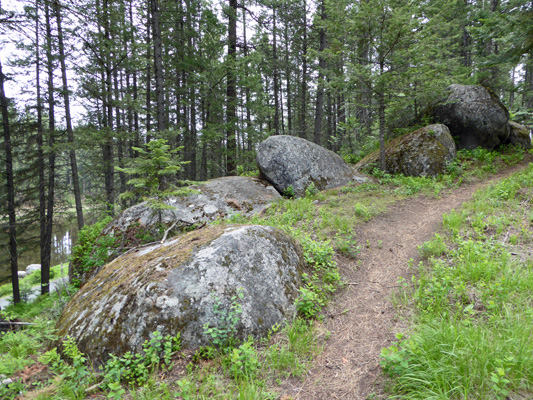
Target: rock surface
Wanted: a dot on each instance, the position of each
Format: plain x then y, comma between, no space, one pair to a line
475,117
214,199
424,152
33,267
519,136
173,287
292,161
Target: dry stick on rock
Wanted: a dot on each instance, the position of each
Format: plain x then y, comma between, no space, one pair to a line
168,230
185,223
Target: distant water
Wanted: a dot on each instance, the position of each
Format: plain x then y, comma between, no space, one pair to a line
63,238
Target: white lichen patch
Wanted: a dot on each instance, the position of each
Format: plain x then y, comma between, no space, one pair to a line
175,287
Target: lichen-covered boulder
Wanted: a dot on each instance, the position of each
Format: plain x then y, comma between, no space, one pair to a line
475,115
208,201
519,136
177,286
424,152
292,161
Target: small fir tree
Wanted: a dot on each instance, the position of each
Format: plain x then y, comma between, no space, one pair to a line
149,174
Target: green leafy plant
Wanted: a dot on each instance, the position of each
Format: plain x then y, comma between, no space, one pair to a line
311,190
347,245
395,358
137,368
223,334
75,375
12,391
244,361
289,192
92,249
309,303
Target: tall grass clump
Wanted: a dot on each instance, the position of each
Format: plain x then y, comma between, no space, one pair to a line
473,299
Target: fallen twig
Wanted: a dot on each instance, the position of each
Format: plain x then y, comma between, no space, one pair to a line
167,231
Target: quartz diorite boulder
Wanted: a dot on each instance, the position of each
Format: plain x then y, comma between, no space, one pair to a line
292,161
519,136
211,200
215,199
475,117
176,286
424,152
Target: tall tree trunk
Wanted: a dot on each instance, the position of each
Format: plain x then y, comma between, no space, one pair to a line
119,123
466,40
288,79
108,146
148,78
158,66
275,71
47,250
68,119
40,144
364,110
303,88
527,96
247,90
330,118
319,109
10,186
381,97
512,92
231,92
135,89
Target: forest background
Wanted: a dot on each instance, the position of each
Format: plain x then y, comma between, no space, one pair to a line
213,79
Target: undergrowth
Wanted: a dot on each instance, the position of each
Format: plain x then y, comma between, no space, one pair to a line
32,280
472,300
462,294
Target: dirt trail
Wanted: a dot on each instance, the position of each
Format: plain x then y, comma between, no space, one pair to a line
361,318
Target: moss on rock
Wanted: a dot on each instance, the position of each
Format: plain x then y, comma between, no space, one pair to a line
173,287
424,152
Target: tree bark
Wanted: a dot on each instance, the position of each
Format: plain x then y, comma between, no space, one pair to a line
303,89
68,119
247,90
231,92
381,97
288,80
10,193
47,250
319,109
109,171
275,71
158,66
40,150
148,79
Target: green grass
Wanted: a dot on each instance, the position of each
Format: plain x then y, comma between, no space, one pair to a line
473,303
34,279
468,266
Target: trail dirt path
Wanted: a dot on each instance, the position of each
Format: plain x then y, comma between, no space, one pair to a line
362,319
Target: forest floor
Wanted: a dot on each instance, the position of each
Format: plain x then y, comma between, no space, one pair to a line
362,318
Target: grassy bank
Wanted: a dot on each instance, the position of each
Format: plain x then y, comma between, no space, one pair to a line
472,303
324,224
33,280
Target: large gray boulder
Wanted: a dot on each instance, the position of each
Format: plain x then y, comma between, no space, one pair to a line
475,115
215,199
176,286
291,161
424,152
519,135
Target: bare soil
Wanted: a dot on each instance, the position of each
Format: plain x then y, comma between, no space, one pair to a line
362,319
